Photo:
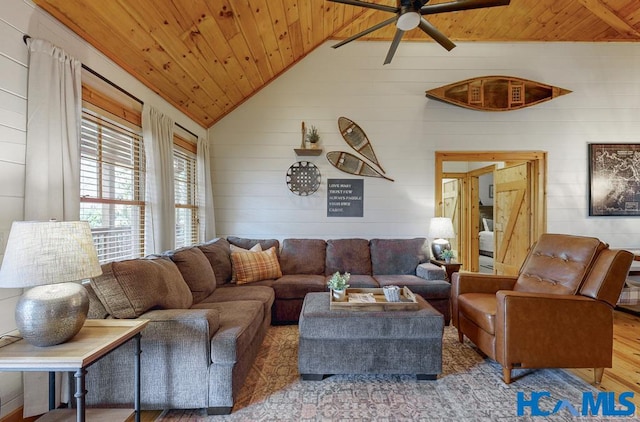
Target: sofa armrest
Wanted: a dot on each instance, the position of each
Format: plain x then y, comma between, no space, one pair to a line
542,330
429,271
175,361
189,330
476,283
480,283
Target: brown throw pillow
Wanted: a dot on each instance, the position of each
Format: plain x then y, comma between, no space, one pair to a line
196,271
127,289
218,253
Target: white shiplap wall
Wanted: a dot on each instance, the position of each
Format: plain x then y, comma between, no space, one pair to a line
18,17
253,146
13,111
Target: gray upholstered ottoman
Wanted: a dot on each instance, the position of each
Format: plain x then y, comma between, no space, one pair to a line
363,342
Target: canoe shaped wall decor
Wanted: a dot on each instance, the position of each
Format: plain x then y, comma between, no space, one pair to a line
496,93
351,164
357,139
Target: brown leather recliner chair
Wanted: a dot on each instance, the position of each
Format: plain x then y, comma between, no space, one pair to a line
557,313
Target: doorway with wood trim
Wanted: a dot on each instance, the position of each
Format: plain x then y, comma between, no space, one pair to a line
519,204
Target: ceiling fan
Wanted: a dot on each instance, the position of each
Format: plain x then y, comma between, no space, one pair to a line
409,16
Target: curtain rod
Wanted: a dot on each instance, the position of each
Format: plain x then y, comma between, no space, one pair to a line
25,37
99,76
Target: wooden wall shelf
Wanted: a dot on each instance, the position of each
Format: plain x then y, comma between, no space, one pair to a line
308,151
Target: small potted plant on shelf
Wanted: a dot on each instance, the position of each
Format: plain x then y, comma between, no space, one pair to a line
313,137
447,254
338,285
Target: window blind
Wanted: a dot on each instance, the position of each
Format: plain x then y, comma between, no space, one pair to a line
112,186
185,187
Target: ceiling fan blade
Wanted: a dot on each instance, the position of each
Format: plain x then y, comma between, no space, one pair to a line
382,7
438,36
366,31
454,6
394,46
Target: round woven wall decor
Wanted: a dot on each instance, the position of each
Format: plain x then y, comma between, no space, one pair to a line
303,178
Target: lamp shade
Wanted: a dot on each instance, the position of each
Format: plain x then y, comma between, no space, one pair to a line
441,228
40,253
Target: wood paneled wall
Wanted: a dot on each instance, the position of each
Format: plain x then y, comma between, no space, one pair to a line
253,146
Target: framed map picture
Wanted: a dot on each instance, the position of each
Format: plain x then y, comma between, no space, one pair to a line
614,179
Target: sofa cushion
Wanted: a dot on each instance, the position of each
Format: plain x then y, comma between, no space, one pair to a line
361,281
250,243
297,286
256,266
196,271
428,289
398,256
231,293
303,256
550,268
480,308
348,255
129,288
218,252
96,308
240,321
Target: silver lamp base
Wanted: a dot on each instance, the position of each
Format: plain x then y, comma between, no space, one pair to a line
438,246
52,314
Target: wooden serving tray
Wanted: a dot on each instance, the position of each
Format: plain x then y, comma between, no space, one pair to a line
407,302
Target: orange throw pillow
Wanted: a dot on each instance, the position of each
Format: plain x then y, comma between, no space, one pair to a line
256,266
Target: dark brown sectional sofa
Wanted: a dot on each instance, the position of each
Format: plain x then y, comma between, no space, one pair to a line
205,330
306,265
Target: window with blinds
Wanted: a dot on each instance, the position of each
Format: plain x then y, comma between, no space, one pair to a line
112,186
186,197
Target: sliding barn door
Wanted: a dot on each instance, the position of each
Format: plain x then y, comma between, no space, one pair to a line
512,225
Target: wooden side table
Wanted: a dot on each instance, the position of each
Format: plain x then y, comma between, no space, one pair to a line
96,339
449,267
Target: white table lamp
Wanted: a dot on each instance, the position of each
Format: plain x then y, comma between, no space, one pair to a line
440,229
50,257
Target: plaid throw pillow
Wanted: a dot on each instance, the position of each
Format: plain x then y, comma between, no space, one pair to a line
629,296
256,266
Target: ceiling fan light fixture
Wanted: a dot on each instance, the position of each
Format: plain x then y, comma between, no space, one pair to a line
408,21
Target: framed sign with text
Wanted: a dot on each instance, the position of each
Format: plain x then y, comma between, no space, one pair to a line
345,197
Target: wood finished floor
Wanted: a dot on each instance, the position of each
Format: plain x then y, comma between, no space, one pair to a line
624,376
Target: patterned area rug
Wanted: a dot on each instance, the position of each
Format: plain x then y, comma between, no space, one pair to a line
469,389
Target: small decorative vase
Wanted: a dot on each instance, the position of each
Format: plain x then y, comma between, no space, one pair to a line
391,293
447,260
313,145
339,295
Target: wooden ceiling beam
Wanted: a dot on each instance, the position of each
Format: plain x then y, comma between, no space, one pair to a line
601,10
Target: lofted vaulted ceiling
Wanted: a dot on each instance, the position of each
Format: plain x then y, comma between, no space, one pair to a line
206,57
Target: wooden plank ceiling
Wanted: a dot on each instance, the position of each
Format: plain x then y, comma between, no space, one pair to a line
208,56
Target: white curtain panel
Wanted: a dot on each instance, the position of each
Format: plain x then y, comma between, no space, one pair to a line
52,162
160,219
54,106
206,214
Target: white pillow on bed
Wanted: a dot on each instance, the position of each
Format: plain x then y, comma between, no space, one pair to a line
488,224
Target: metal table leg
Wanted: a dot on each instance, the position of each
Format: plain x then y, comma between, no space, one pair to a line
52,390
136,404
80,394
